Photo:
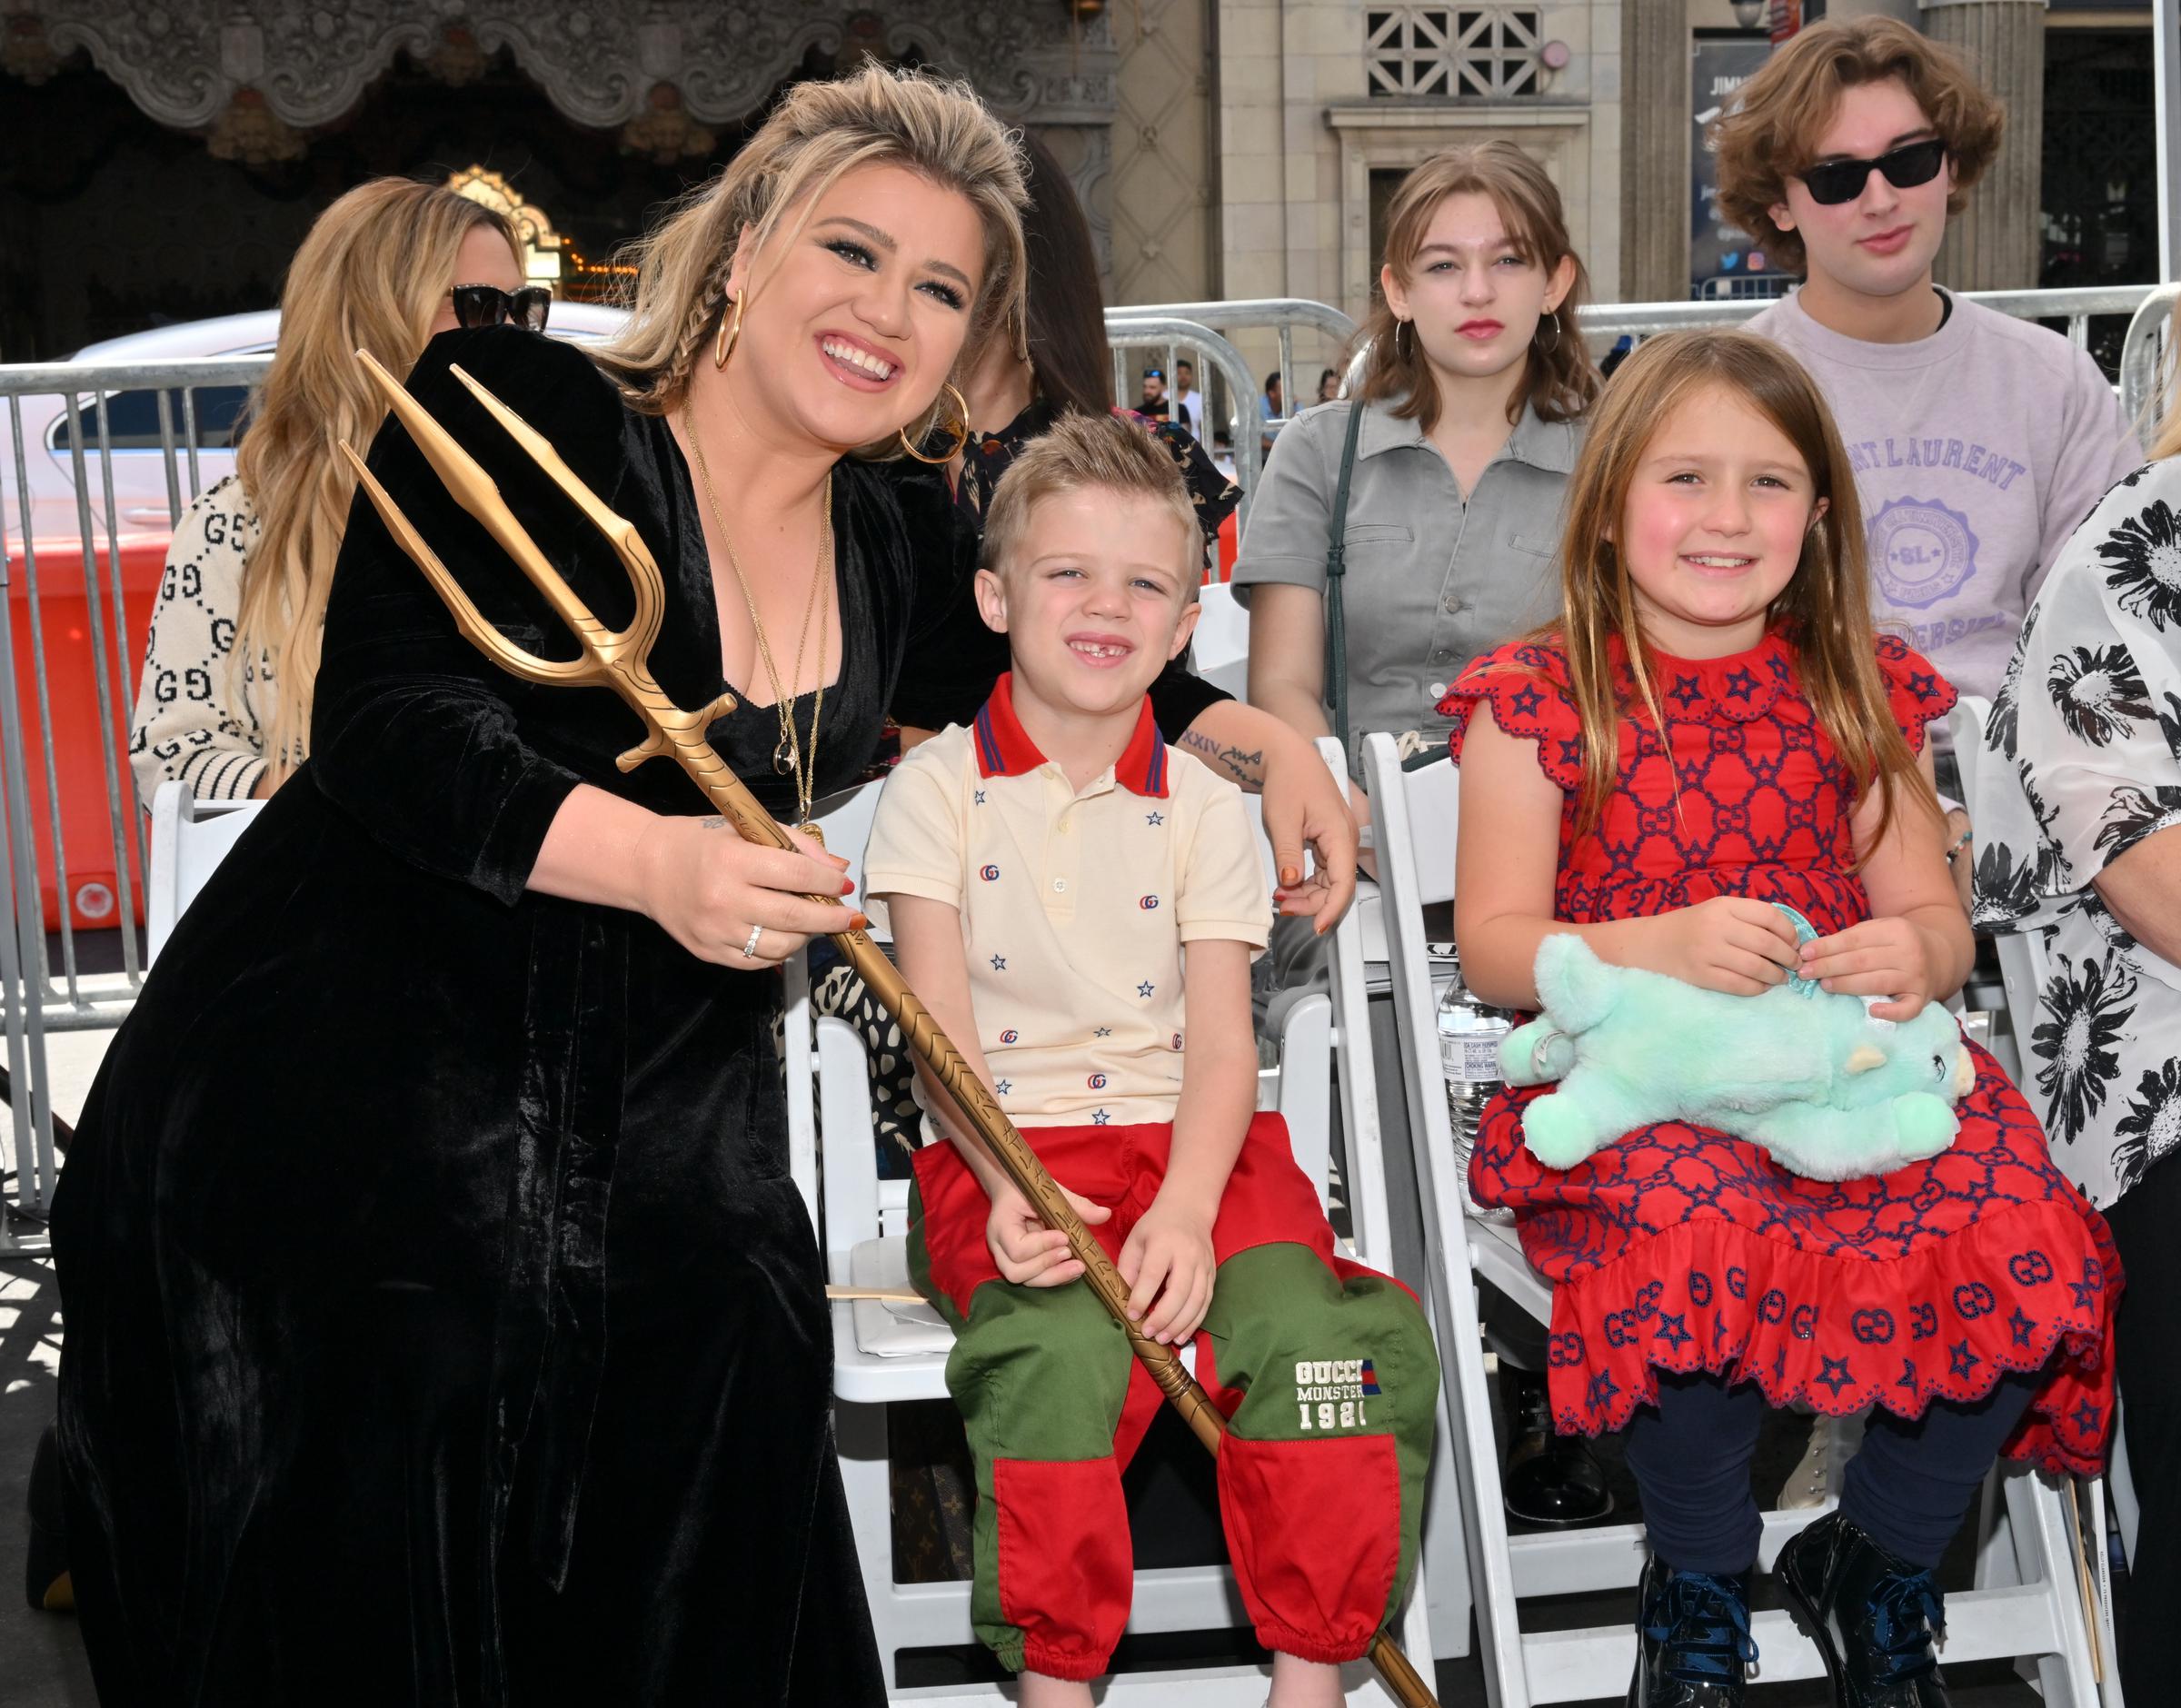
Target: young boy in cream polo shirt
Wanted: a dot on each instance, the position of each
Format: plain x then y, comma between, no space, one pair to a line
1079,904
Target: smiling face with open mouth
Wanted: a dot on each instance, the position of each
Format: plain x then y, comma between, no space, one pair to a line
1714,525
1093,604
855,309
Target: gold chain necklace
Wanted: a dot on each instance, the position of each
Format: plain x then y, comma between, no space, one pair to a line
788,757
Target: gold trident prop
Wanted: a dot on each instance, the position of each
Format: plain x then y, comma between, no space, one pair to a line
619,661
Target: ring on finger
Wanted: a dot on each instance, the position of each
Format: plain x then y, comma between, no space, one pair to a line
750,948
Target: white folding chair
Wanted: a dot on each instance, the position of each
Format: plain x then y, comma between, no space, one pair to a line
2040,1615
1219,649
189,839
885,1352
2023,967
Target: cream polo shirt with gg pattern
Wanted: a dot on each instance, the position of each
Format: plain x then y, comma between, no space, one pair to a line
1074,906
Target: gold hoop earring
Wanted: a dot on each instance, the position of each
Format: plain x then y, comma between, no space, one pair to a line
730,333
962,432
1552,320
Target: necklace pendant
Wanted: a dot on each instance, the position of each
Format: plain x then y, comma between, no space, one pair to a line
784,759
812,830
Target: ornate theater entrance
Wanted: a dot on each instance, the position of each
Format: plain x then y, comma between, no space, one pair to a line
162,164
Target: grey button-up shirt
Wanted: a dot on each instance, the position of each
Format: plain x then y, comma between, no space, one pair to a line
1432,582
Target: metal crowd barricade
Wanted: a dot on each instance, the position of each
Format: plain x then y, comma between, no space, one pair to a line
2147,352
2075,304
77,401
1282,314
2151,306
1135,329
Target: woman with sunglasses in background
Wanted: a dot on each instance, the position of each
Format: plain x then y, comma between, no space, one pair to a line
225,705
1979,440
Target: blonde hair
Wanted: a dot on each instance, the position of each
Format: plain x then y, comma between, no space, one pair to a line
821,130
1770,129
1823,611
370,275
2163,410
1561,381
1080,452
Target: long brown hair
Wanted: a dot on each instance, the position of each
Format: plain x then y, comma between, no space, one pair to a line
1560,381
1823,611
1067,317
819,130
369,275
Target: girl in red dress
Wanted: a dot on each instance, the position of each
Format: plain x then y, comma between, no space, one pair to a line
1714,727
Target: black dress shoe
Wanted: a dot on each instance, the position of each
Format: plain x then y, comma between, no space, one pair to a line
1693,1647
1548,1478
1872,1615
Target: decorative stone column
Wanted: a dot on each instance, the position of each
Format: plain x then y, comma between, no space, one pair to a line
1654,151
1992,244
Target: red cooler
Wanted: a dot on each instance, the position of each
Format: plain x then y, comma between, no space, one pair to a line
72,686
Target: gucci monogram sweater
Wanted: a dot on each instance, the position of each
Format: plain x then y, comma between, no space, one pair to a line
196,717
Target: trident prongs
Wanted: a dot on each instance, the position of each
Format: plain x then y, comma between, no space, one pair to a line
468,618
620,661
476,492
620,532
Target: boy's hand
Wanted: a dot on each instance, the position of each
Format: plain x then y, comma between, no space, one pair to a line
1729,943
1880,958
1027,1252
1168,1258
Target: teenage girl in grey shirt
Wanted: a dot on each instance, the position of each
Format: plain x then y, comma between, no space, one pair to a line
1473,397
1472,400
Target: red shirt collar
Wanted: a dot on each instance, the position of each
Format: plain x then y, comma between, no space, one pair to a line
1005,749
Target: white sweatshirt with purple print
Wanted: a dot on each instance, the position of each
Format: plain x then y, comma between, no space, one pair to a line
1977,452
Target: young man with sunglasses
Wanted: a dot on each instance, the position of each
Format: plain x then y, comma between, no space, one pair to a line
1979,440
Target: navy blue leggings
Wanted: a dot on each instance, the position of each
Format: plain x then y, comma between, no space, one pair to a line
1907,1487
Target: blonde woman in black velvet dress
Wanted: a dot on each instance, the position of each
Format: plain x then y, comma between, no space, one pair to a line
444,1325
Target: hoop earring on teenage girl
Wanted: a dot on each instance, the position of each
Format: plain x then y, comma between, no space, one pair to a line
730,333
1400,349
962,432
1552,320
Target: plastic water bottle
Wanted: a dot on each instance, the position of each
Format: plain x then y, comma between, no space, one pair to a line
1469,1056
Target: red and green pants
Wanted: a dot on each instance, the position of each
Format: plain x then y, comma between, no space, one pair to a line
1324,1368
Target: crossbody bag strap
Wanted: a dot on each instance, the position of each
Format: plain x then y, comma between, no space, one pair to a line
1336,571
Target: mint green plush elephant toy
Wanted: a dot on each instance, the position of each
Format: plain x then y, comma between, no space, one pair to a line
1832,1093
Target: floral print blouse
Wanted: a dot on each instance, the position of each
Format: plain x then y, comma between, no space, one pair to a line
2089,718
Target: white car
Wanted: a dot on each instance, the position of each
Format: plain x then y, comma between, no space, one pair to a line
141,497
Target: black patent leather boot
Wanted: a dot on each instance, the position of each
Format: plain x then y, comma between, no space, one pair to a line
1693,1647
1872,1614
1548,1478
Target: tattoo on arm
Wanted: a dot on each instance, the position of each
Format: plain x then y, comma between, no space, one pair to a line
1244,767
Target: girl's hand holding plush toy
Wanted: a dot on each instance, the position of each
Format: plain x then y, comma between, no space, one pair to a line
1892,958
1729,943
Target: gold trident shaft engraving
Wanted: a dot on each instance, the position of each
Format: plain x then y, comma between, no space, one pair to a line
619,661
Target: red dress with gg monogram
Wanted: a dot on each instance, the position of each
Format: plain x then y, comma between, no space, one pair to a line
1679,1248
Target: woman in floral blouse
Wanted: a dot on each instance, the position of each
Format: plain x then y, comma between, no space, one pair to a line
2079,840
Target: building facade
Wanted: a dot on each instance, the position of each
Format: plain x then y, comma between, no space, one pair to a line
166,158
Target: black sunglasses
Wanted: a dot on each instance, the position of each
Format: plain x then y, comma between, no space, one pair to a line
1838,181
478,305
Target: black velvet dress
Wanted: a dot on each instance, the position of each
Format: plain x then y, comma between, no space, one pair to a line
442,1325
